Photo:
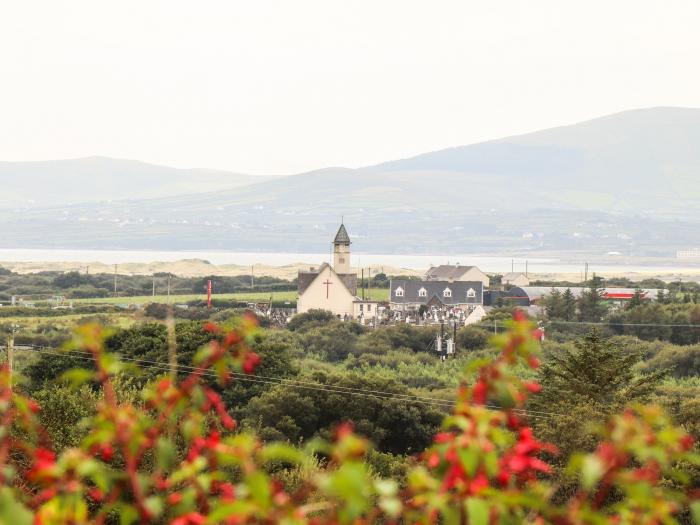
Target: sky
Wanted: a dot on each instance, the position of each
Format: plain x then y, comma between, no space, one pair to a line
279,87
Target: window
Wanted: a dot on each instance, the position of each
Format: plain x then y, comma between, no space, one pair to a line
447,292
362,307
369,307
398,292
422,292
471,292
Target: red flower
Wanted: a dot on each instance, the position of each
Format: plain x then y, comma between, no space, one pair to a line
479,392
251,362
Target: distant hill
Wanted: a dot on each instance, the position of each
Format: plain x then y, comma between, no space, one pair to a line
628,182
102,178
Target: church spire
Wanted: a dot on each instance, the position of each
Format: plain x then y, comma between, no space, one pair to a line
341,251
342,236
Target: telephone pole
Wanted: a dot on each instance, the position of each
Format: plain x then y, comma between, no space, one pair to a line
115,279
14,328
154,285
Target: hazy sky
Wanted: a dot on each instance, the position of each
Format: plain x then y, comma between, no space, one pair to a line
288,86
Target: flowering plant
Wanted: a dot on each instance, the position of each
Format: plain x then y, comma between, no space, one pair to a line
178,458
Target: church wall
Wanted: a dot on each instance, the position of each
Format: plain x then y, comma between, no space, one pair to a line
339,300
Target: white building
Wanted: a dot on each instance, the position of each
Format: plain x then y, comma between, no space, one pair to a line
515,279
456,272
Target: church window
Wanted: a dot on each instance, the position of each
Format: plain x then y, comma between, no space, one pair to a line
422,292
398,292
447,292
471,292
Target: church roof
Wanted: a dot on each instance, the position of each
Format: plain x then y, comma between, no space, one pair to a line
342,236
305,278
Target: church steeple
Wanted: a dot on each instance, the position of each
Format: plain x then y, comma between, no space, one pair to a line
341,251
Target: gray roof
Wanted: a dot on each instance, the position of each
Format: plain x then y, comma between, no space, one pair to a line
434,291
447,271
342,236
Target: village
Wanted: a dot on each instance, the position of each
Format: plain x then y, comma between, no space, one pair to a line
456,294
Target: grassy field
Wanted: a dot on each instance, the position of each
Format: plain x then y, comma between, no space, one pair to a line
377,294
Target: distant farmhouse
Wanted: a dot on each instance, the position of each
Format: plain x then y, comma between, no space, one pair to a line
335,288
515,279
456,272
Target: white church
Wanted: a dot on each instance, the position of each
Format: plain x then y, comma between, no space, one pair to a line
334,288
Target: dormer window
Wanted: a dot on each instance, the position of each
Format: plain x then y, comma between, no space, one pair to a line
447,292
422,292
471,293
398,292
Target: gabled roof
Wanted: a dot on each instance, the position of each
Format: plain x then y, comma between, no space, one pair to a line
513,275
448,271
305,278
342,236
434,292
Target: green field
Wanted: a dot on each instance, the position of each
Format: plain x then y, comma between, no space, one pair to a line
377,294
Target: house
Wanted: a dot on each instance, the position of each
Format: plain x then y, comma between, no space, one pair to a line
456,272
515,279
334,288
410,295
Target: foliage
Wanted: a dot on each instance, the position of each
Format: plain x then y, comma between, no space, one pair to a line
583,385
175,458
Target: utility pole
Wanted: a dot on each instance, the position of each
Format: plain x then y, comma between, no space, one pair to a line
14,328
154,285
585,275
252,277
172,342
169,277
525,267
362,283
115,279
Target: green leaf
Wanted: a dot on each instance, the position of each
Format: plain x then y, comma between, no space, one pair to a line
478,511
155,505
127,515
591,471
282,452
695,510
165,453
77,376
469,459
12,512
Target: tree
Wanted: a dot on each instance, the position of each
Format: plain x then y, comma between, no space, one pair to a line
637,299
553,304
591,305
313,317
584,384
568,305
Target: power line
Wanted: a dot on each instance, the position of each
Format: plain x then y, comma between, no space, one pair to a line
374,394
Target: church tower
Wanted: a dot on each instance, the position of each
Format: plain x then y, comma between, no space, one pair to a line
341,251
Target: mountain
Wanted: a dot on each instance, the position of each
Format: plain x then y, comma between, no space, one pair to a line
627,182
102,178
